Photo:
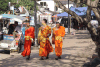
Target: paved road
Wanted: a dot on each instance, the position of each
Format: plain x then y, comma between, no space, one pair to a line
77,49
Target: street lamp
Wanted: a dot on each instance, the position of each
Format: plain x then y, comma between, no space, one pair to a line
68,20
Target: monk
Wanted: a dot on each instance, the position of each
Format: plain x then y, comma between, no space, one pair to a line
58,34
29,37
43,38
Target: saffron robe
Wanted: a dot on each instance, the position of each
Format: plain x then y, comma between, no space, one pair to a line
29,35
43,38
58,34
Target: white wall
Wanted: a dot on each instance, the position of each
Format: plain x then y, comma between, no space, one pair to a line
49,3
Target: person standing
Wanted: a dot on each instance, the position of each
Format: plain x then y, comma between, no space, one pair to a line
29,37
43,39
57,39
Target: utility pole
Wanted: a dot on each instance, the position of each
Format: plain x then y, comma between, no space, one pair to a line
35,20
68,20
9,5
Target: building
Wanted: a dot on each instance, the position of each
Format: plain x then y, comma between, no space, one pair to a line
47,5
51,5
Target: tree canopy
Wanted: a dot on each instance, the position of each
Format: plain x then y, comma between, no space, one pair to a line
4,6
28,4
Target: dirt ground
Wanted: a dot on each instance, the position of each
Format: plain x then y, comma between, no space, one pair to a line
77,50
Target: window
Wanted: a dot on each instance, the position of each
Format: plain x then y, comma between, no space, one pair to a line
56,8
43,3
46,8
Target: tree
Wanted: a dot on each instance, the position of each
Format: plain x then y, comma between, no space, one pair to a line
4,6
92,5
28,4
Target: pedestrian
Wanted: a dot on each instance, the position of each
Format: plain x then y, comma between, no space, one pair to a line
57,39
43,39
29,37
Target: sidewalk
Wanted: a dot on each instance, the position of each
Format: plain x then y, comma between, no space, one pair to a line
77,50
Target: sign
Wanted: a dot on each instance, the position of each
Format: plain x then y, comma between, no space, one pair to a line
11,7
6,37
11,21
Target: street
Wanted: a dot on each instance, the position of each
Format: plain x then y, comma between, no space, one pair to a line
81,41
77,50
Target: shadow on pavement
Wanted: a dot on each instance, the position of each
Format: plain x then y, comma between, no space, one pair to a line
93,63
35,62
68,60
5,51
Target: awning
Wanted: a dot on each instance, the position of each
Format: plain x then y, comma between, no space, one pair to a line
80,10
77,11
14,17
64,14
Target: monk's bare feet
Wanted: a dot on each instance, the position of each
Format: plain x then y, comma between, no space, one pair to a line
47,57
28,58
56,58
59,57
41,58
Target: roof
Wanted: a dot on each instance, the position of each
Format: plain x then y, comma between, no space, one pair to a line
14,17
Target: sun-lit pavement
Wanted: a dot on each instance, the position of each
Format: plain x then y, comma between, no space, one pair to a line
77,49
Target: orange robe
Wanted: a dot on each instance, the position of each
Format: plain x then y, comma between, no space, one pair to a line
58,34
29,34
45,45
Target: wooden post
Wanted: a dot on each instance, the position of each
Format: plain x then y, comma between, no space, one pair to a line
70,21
